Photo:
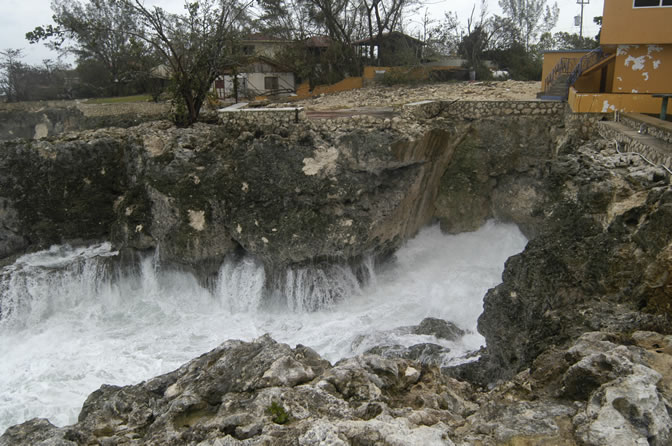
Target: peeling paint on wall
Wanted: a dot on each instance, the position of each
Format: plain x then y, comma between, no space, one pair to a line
622,50
646,69
606,107
654,49
637,62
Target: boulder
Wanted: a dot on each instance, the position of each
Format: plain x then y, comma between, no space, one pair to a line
439,328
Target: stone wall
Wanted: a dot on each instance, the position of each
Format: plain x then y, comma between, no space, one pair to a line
244,117
584,126
655,153
653,126
481,109
37,120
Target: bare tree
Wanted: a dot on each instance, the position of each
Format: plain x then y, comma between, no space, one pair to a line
383,16
195,46
338,18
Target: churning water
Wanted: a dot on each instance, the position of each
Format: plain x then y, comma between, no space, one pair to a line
69,322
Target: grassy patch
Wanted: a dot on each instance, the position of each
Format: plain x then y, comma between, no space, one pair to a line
120,99
278,413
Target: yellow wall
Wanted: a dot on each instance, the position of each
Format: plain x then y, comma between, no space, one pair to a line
551,59
349,83
610,102
643,69
417,73
370,72
623,24
589,82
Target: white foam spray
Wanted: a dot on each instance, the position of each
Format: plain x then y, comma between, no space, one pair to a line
69,324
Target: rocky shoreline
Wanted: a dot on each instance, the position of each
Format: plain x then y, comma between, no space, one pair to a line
604,388
578,333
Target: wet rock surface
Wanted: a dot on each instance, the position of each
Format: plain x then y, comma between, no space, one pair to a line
439,328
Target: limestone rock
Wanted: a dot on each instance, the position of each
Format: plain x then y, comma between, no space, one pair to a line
226,397
583,271
625,405
234,394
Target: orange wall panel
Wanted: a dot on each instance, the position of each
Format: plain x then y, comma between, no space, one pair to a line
610,102
370,72
643,69
349,83
624,24
589,83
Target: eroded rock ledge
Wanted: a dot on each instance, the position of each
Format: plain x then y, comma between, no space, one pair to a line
315,191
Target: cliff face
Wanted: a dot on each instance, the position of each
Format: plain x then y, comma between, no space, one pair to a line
600,260
304,193
56,192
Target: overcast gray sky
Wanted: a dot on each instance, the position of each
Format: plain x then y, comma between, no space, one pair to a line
21,16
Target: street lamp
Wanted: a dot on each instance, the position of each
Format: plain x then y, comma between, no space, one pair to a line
581,2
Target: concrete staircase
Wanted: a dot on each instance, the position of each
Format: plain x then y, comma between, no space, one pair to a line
568,70
558,89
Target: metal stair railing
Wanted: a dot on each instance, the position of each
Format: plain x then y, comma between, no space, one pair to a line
589,60
564,67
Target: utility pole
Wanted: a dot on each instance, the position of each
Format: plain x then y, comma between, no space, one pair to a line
582,3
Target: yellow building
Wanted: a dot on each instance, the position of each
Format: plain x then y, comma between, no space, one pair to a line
633,63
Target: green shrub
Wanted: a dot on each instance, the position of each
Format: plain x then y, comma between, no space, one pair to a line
278,413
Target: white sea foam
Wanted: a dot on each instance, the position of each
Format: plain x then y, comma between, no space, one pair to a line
70,324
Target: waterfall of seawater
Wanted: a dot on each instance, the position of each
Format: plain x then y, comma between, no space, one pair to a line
69,321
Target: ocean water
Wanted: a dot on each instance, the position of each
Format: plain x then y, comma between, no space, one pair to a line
69,321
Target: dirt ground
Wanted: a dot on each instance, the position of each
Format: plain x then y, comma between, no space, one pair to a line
381,96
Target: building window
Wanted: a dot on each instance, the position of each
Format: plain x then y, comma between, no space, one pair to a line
652,3
271,83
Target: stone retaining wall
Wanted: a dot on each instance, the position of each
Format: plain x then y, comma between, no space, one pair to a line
628,144
481,109
653,126
128,108
584,125
262,116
